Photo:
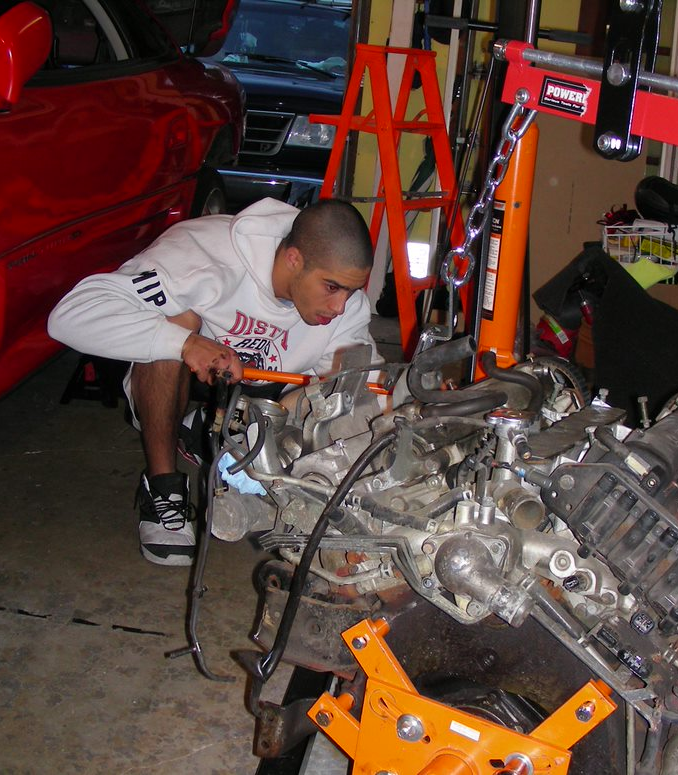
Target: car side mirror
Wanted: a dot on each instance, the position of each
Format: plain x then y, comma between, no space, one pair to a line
25,44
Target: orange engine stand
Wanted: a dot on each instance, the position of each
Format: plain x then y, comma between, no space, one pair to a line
402,732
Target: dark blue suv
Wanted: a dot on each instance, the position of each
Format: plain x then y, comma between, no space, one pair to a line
290,57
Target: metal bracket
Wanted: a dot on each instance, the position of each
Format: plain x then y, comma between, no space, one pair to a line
632,39
401,731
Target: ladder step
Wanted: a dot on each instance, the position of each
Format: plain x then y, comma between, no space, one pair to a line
368,124
426,203
411,200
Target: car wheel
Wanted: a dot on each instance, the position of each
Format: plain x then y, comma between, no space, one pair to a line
210,197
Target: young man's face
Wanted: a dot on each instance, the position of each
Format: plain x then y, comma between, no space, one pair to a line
320,293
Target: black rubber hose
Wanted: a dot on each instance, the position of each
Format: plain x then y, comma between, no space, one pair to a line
481,402
223,430
258,444
449,352
267,663
489,362
607,438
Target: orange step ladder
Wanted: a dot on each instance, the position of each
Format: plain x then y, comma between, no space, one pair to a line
388,125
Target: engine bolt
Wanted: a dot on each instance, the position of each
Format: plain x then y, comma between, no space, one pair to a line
323,718
474,609
409,728
566,482
359,643
427,582
433,482
585,711
428,547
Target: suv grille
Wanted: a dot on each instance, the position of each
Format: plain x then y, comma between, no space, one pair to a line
265,132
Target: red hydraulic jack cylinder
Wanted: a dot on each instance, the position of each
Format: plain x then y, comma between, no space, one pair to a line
506,255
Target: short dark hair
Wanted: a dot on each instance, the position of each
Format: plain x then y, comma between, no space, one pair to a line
332,231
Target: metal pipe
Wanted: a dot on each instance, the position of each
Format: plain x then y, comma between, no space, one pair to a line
532,21
583,65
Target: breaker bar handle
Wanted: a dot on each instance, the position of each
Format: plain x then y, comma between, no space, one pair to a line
291,378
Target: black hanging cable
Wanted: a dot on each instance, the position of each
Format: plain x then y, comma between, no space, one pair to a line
267,663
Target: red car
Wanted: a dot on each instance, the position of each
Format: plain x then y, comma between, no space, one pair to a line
108,135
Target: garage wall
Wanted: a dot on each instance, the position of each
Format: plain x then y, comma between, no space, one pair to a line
573,188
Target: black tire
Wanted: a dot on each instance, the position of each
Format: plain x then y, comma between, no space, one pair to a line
210,196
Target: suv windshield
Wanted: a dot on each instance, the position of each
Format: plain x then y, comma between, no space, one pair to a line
273,31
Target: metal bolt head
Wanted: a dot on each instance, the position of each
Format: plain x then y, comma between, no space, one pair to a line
474,609
522,96
359,643
618,74
566,482
608,142
631,6
585,711
409,728
323,718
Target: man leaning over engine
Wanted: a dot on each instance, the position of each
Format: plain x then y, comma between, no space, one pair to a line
272,284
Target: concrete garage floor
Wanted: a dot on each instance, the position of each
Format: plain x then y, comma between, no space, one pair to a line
85,621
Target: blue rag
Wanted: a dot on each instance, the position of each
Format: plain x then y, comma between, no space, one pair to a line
240,481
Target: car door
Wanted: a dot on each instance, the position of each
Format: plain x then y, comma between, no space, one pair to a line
96,158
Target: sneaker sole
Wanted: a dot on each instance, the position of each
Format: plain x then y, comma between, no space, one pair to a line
171,559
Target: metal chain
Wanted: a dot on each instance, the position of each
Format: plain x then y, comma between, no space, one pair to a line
496,172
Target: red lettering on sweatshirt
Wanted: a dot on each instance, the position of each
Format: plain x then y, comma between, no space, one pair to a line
246,324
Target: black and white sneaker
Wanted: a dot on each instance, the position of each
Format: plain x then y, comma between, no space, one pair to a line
166,533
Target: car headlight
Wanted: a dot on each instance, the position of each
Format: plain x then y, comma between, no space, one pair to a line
304,133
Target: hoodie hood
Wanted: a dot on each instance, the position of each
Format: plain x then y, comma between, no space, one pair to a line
256,238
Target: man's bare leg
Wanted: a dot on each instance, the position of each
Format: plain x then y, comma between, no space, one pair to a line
160,391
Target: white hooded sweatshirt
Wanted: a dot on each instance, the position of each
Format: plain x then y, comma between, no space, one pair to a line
220,267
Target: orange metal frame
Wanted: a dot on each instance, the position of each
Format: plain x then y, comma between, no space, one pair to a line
400,731
388,125
506,254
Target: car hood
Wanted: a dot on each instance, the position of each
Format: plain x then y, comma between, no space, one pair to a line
294,90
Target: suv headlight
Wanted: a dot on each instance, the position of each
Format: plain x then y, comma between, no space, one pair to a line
304,133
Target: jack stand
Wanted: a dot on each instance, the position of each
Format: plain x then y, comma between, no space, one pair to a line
401,732
95,379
